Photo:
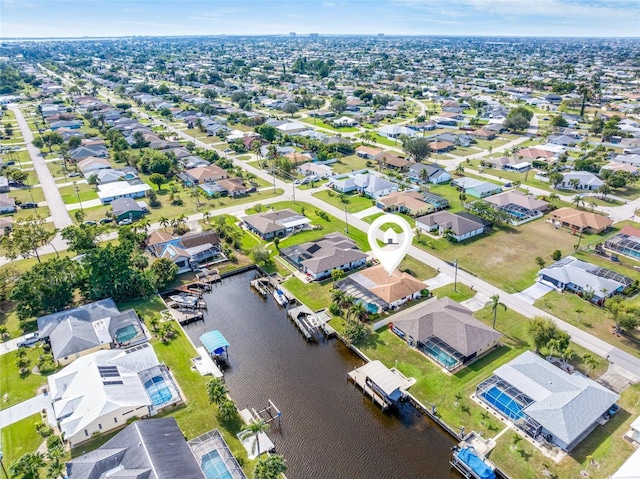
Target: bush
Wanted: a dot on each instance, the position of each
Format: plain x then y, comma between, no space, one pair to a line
334,309
54,441
556,255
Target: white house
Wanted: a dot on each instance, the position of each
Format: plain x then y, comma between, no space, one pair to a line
395,131
121,189
103,390
584,180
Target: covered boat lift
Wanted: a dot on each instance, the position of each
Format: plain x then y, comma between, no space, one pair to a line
215,344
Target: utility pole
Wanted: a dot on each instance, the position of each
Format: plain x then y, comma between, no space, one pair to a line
455,278
2,464
346,220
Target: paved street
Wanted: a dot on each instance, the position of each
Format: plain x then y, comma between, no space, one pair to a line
61,218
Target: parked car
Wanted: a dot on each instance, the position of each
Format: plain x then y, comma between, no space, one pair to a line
74,173
90,223
29,205
126,221
104,221
29,340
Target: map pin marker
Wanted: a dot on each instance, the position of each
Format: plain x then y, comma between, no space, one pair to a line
396,245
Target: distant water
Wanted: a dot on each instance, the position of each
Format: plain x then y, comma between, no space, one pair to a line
329,428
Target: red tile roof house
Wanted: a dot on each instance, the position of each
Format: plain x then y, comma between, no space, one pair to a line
202,174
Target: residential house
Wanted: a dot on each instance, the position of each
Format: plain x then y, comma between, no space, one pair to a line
428,172
547,403
476,188
202,174
189,251
482,134
85,151
292,128
395,131
7,204
408,202
233,187
92,164
121,189
580,221
80,331
391,161
463,140
587,280
368,152
446,332
103,390
517,205
127,208
319,258
535,154
441,146
580,180
508,163
457,226
563,140
4,184
345,121
315,169
149,449
381,291
629,159
271,224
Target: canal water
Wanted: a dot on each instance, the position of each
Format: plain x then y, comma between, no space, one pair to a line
329,429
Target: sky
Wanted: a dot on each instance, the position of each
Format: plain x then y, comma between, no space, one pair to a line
102,18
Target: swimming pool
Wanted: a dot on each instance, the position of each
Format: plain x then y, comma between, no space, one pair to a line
158,391
214,467
126,334
504,403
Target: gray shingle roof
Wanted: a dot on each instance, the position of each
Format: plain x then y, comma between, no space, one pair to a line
448,321
147,449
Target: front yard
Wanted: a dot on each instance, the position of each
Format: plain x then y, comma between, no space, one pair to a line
353,201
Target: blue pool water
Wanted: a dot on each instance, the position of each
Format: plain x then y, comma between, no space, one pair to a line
158,391
503,402
126,334
214,467
442,356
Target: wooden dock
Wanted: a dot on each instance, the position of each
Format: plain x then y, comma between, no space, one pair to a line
201,304
198,316
305,320
262,286
360,380
209,277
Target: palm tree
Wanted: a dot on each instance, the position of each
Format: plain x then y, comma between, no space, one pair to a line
271,468
227,409
576,200
553,197
348,301
337,296
566,356
604,190
253,430
216,390
495,304
463,198
459,170
55,456
590,362
358,311
28,466
553,346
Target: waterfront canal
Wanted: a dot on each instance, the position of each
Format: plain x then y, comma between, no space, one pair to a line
329,428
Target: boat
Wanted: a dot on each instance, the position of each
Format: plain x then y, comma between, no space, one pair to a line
468,462
280,297
184,299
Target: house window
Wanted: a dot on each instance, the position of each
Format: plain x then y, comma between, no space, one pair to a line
99,426
115,419
86,433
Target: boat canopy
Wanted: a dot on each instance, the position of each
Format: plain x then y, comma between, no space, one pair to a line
215,342
477,465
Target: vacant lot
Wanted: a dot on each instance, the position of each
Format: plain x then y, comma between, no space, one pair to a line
492,257
347,164
353,201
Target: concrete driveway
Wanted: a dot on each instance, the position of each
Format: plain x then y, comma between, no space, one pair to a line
25,409
533,293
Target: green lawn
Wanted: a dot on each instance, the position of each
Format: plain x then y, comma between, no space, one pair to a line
459,293
597,321
492,256
316,295
329,126
13,388
24,195
20,438
354,202
416,268
85,192
326,227
386,141
347,164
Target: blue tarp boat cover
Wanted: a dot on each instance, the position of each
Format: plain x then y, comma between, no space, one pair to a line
214,341
468,456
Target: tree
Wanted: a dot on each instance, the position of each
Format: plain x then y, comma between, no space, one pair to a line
558,121
338,105
253,430
81,238
516,123
540,261
47,287
28,466
52,138
542,329
267,132
556,255
354,331
336,275
290,108
337,296
624,314
216,391
139,140
227,410
74,142
590,362
158,180
417,148
164,272
271,468
55,455
27,236
261,255
495,304
358,311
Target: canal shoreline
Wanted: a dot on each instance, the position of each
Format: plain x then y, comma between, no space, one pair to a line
429,412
